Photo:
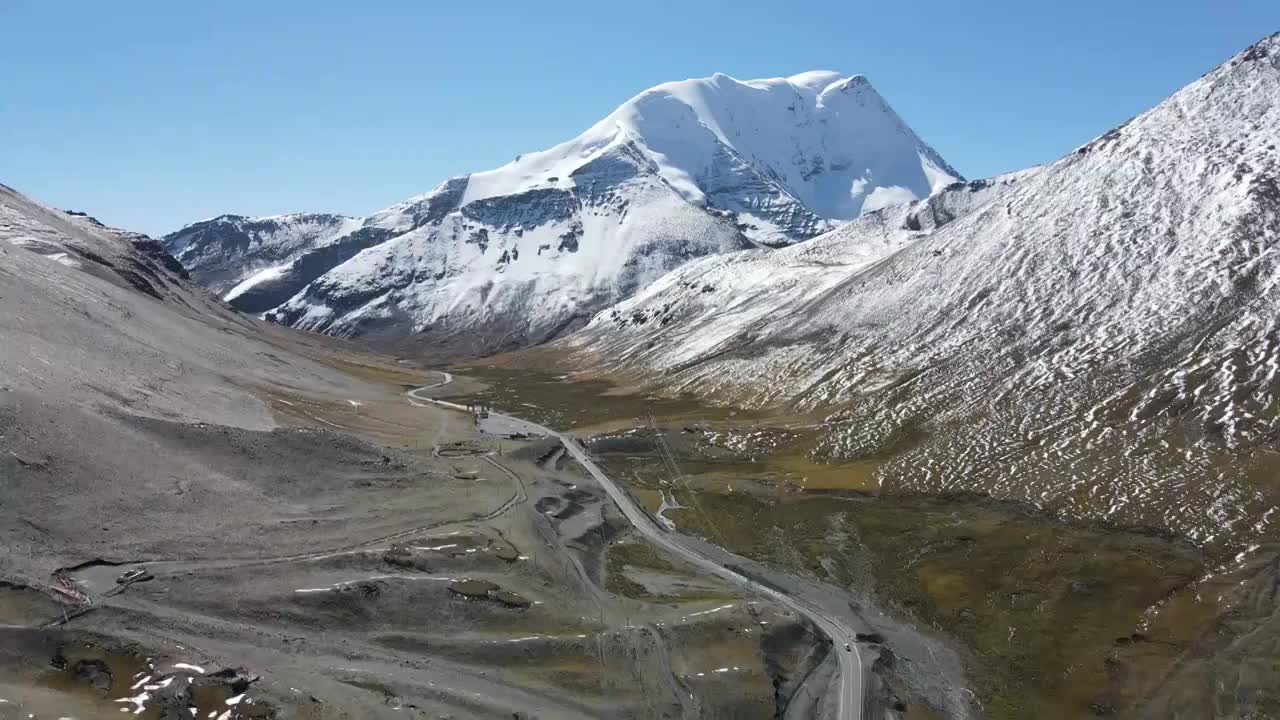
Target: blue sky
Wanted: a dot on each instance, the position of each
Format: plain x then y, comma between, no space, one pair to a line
154,114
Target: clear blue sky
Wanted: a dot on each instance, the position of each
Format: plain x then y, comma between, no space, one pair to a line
154,114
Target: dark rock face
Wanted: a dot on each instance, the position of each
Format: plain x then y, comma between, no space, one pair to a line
526,210
306,269
957,199
569,239
435,206
735,186
155,250
599,183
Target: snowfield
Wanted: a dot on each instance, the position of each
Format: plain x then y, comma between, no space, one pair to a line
1099,336
526,252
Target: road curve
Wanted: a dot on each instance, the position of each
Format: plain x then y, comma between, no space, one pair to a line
849,703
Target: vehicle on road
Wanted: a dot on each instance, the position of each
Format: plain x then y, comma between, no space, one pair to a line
133,576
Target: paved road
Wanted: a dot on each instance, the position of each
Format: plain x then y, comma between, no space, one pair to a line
849,702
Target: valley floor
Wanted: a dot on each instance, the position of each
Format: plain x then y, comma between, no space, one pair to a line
1044,617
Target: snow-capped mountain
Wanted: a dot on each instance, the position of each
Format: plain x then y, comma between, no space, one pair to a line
1100,336
525,252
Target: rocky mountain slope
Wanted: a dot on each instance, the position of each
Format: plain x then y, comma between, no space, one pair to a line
522,253
107,319
228,251
1099,336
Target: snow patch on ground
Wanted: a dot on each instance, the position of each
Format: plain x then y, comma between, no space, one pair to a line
264,275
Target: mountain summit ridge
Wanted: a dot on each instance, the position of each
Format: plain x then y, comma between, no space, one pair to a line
665,121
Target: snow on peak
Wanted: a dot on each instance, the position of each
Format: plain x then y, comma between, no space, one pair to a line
818,80
826,139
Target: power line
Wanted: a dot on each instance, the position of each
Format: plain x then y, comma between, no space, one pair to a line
678,478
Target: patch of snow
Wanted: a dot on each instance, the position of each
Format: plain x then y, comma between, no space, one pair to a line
264,275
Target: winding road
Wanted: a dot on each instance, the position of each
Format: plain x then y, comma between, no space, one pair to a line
849,702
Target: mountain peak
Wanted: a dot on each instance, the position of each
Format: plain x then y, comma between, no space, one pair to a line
811,81
825,139
1263,55
1267,45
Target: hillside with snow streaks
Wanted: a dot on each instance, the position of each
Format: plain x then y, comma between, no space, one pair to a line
1100,336
223,252
529,251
